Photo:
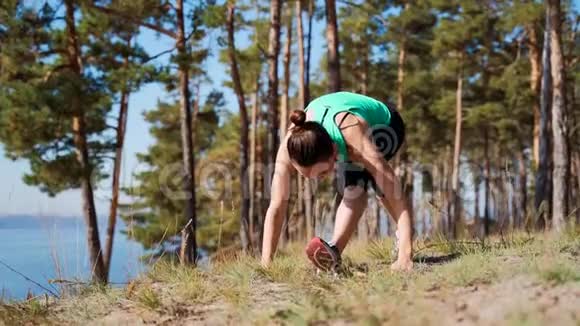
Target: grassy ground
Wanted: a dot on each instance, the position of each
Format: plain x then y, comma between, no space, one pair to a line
519,280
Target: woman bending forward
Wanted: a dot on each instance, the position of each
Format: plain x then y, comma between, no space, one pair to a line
361,134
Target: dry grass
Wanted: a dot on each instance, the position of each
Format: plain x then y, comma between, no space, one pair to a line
290,292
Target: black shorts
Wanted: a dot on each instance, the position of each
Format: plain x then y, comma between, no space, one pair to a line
388,139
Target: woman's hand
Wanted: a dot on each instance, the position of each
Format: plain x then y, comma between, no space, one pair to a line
402,264
280,192
393,198
266,261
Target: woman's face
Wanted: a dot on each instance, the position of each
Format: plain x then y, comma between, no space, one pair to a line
318,170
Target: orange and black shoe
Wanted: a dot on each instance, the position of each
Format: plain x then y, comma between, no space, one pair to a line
324,256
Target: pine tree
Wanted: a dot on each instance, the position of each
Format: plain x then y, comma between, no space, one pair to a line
245,233
333,44
114,50
273,52
542,201
456,40
156,211
304,186
561,170
169,20
53,112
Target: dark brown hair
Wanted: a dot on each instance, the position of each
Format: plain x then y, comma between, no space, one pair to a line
309,143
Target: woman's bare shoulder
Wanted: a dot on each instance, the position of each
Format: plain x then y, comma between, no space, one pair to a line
353,129
283,157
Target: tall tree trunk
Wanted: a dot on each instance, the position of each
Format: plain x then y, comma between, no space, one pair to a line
365,67
304,194
574,135
476,191
273,52
455,190
334,83
285,101
333,67
401,74
402,162
577,168
245,234
301,57
435,197
535,83
99,273
261,157
522,190
561,152
80,140
542,200
120,139
502,186
445,190
311,4
253,161
486,176
188,241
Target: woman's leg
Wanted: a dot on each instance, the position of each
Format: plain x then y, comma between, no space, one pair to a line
348,214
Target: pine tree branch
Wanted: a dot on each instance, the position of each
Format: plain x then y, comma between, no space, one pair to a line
49,74
368,11
169,4
263,52
132,19
50,52
159,54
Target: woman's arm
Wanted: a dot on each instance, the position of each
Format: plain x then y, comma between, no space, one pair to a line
276,212
393,196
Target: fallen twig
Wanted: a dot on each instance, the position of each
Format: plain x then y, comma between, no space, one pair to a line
29,279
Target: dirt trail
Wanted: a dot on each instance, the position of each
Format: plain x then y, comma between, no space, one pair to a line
516,301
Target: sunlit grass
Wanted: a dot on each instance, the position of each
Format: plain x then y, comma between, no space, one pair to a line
290,291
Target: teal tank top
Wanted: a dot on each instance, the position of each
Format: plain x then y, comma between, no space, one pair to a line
326,107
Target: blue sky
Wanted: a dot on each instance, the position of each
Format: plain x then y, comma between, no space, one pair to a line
19,198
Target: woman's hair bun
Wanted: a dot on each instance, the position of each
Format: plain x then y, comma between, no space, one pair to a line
298,117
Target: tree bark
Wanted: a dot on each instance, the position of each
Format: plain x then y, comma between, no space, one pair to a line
253,160
334,82
286,82
561,152
120,140
99,273
542,200
273,52
189,243
308,51
486,176
301,57
333,70
285,104
476,191
535,83
401,74
302,104
245,234
364,87
308,185
455,190
577,167
522,190
402,162
446,190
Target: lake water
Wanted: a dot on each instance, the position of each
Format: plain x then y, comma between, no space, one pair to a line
34,246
